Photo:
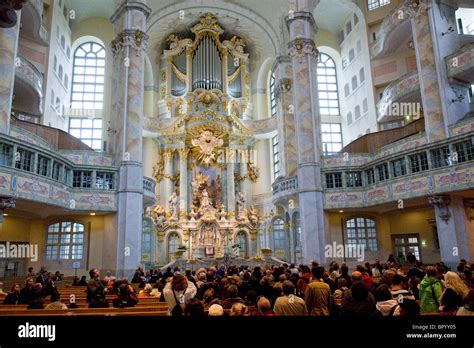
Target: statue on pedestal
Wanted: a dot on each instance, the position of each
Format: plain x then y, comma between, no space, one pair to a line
222,213
240,207
173,204
193,213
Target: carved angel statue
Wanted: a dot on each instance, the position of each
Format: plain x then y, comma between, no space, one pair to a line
207,142
253,215
192,213
173,204
159,216
174,40
240,207
222,213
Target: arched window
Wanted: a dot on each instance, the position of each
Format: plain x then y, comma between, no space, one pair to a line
358,45
276,156
357,112
327,86
241,239
146,240
68,52
262,239
55,66
365,106
52,98
65,241
354,83
347,90
57,106
63,42
88,77
361,75
279,240
351,55
173,243
66,81
297,229
361,231
349,118
60,72
273,105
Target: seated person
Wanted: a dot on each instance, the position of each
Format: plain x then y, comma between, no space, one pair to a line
99,300
14,296
125,297
56,302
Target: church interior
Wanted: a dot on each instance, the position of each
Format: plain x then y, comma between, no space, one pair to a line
156,133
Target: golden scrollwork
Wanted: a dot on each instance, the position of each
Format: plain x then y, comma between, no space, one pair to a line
253,172
163,76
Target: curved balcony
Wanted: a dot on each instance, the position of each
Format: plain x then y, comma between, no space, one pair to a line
32,22
284,188
149,196
461,64
28,89
398,97
394,31
262,127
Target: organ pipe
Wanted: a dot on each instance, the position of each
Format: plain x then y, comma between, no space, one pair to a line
207,65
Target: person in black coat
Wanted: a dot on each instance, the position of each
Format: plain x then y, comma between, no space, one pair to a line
26,293
14,296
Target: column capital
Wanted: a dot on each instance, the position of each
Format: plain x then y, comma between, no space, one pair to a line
299,48
131,5
441,202
134,38
301,15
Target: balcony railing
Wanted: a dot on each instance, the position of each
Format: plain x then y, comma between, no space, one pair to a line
32,22
29,83
397,91
395,26
461,64
285,184
149,196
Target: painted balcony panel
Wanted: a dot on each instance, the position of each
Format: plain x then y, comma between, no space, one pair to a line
28,89
401,97
32,22
394,31
461,64
444,180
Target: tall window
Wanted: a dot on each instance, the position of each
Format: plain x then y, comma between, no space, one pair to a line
88,130
276,157
273,104
297,229
327,86
65,241
173,243
399,167
146,240
333,180
88,77
374,4
354,179
440,157
241,239
332,138
419,162
279,241
261,235
361,231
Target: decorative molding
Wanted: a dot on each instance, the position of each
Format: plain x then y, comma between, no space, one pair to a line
135,39
300,48
416,8
282,86
442,203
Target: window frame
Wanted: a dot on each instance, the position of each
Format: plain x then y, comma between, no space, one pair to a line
369,240
57,243
328,87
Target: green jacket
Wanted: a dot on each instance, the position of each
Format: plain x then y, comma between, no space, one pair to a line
431,290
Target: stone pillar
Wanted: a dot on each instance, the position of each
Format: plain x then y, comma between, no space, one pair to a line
430,21
168,184
304,55
230,188
183,182
8,49
452,229
285,116
129,21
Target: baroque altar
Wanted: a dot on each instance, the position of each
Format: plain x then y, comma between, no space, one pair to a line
206,164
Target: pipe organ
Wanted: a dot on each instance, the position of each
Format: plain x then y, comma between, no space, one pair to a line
205,64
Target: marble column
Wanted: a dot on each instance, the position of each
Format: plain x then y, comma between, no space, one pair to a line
129,21
168,184
285,115
8,49
183,182
452,229
430,21
304,55
246,185
231,188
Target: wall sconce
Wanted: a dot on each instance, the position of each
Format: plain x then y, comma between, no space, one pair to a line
423,243
450,30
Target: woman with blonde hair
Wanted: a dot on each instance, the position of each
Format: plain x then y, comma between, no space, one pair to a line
238,310
453,281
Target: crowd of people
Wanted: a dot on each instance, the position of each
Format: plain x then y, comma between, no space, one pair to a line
286,290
